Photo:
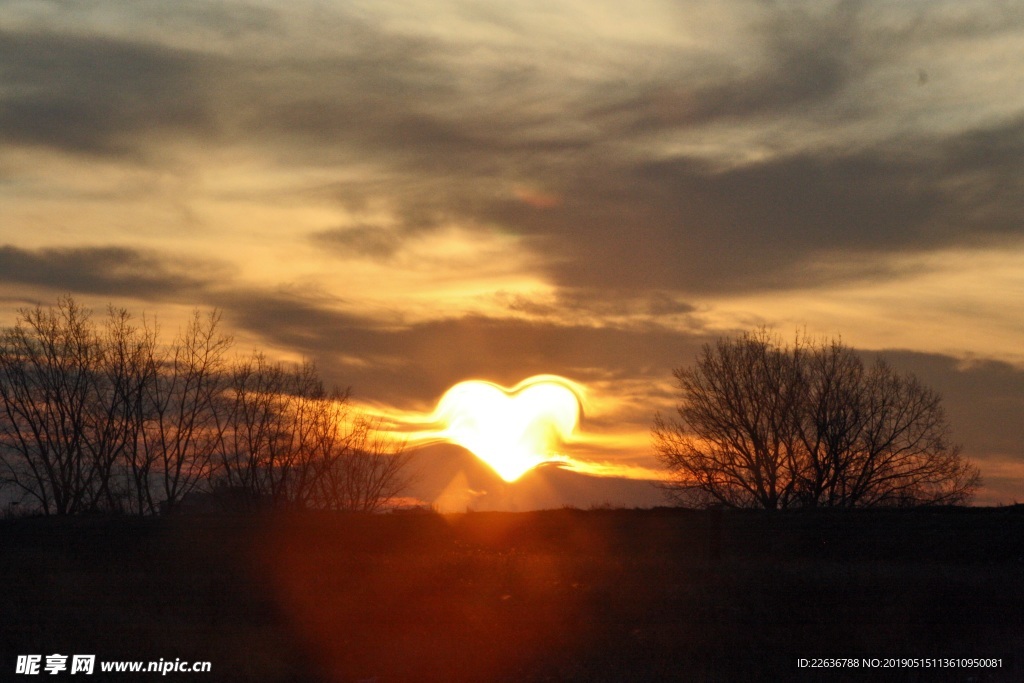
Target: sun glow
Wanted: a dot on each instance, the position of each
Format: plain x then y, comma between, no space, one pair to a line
512,430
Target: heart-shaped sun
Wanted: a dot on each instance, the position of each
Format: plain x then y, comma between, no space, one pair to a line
512,430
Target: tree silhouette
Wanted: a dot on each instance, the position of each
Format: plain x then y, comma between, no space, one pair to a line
282,429
182,412
68,406
366,473
104,417
766,424
287,439
49,372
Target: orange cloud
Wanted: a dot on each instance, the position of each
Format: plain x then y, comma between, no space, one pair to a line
537,199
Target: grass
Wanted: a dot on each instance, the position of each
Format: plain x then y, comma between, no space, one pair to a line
567,595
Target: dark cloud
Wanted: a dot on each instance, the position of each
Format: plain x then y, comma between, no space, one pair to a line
673,224
805,59
599,304
104,94
399,363
682,224
622,221
984,400
798,221
983,172
111,271
403,109
448,154
97,95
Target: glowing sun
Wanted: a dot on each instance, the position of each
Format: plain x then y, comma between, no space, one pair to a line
512,430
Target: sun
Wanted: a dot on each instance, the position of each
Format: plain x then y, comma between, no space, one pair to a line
512,430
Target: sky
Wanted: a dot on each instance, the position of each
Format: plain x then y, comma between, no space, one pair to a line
413,194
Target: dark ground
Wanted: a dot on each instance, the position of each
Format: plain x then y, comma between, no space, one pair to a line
566,595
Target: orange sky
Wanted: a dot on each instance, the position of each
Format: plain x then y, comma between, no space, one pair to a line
418,194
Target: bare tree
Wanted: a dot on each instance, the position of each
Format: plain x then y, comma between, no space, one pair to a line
49,362
126,372
366,472
739,444
831,425
905,455
105,418
318,434
182,413
290,441
256,426
764,424
283,430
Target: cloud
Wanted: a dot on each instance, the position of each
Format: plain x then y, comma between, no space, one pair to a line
409,367
801,59
629,213
417,362
98,95
370,241
110,271
448,145
444,130
684,224
602,307
984,400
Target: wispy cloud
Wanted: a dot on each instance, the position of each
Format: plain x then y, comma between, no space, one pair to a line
111,271
98,95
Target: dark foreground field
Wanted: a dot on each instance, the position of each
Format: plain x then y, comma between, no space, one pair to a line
659,595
